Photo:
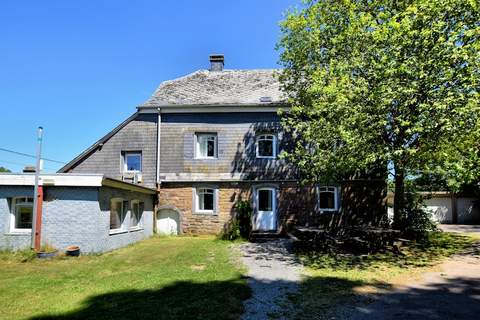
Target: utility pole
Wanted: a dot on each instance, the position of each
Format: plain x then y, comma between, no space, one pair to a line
35,191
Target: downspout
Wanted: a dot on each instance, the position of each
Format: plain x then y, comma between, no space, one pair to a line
159,124
38,220
155,208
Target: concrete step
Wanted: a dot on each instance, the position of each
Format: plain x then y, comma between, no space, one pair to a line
264,236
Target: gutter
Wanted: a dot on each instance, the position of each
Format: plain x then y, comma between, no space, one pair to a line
230,181
202,108
114,183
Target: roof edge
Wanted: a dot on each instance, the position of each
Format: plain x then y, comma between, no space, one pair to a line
115,183
70,180
94,146
214,108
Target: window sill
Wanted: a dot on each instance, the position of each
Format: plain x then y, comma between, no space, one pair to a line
114,232
328,211
18,233
206,213
136,229
209,158
268,158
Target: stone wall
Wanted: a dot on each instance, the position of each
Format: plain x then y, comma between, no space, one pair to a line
360,202
181,197
295,204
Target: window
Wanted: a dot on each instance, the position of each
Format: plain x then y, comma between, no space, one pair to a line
22,214
265,200
205,200
328,198
266,146
132,162
118,212
136,214
206,146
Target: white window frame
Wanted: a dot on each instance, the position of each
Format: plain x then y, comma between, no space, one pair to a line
197,145
124,225
266,137
140,220
197,200
329,189
13,214
125,163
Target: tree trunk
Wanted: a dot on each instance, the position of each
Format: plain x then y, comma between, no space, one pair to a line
399,198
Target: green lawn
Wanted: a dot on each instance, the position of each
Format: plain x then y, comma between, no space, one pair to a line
334,279
159,278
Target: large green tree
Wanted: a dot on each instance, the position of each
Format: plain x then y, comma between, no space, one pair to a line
388,81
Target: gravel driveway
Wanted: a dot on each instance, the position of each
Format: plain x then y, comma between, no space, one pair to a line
451,293
274,273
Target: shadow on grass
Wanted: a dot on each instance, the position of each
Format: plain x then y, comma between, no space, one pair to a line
318,298
181,300
331,298
439,245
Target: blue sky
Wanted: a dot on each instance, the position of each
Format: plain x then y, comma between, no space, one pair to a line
79,68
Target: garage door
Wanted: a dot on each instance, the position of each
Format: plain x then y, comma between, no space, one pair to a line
168,222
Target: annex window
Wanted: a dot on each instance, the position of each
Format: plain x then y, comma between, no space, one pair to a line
206,145
118,212
328,198
22,214
132,162
205,199
136,214
266,146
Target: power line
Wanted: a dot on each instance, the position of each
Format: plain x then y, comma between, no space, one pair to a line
30,156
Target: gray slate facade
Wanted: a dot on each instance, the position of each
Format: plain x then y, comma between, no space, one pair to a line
139,133
236,159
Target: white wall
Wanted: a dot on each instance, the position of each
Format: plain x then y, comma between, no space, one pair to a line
468,209
441,209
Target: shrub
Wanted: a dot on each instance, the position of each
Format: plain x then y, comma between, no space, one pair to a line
418,221
244,217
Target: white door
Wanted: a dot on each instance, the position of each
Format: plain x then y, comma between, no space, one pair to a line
265,219
168,222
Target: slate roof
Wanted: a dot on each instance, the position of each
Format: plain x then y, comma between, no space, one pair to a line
226,87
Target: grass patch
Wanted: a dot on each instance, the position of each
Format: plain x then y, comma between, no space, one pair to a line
334,279
159,278
17,256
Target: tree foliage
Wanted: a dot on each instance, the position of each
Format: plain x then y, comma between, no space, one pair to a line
383,82
3,169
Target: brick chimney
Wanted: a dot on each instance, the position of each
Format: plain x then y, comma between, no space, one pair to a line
216,62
